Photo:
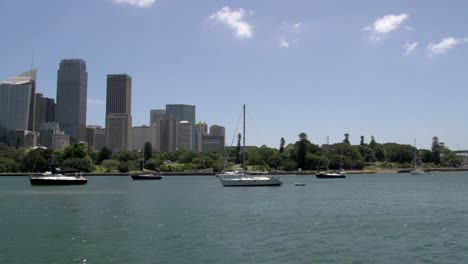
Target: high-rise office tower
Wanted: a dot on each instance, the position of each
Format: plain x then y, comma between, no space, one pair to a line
184,135
216,130
141,135
201,128
72,88
17,104
167,134
118,112
155,115
183,112
45,111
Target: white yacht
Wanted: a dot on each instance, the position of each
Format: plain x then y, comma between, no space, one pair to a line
417,169
242,178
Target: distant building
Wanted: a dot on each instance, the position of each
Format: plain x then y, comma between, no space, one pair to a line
211,143
96,137
184,135
201,127
22,138
216,130
156,115
17,104
52,137
167,134
72,89
183,112
141,135
45,111
118,112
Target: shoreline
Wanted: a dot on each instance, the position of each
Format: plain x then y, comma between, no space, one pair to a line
295,173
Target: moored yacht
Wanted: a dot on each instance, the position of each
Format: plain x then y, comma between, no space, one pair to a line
242,178
49,178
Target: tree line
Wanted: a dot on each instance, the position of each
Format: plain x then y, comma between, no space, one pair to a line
302,154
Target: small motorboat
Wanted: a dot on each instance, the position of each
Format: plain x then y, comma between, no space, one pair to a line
299,184
147,176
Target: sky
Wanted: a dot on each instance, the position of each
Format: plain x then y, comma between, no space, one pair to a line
396,70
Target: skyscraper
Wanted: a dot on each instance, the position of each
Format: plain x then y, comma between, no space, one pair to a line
119,112
183,112
168,134
216,130
45,111
184,135
155,116
17,104
72,88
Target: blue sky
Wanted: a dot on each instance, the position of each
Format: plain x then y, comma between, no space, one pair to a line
394,69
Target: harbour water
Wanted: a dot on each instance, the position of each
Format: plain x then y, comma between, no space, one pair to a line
396,218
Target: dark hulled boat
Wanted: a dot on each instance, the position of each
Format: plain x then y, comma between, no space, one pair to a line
147,176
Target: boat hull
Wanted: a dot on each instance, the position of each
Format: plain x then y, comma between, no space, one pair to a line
38,181
146,177
261,181
329,176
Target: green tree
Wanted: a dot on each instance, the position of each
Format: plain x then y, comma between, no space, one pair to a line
302,146
362,141
147,151
104,154
124,167
75,150
282,142
37,160
110,164
79,164
346,140
436,150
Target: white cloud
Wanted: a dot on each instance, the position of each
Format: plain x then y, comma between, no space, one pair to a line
283,43
96,102
384,25
138,3
465,40
289,34
410,47
234,19
443,46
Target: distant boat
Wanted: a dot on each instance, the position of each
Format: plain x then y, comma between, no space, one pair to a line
147,176
299,184
58,177
49,178
242,178
332,174
417,169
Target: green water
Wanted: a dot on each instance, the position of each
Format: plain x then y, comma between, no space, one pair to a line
360,219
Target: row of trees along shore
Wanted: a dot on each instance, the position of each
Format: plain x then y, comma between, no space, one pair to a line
303,154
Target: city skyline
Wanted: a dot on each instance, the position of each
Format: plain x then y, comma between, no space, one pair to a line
393,70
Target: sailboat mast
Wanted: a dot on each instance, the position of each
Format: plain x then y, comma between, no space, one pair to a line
243,145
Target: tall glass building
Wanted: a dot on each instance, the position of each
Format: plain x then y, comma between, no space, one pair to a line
183,112
17,104
119,112
72,89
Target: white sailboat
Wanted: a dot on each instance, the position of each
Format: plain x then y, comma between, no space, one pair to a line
241,177
417,169
332,174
